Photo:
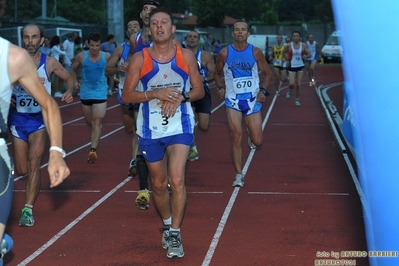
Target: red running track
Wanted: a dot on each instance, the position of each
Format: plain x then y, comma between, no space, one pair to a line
298,199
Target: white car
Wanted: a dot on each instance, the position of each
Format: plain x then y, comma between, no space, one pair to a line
332,50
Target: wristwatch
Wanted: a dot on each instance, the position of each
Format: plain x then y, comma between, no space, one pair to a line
186,95
264,91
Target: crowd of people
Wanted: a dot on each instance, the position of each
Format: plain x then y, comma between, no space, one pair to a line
161,118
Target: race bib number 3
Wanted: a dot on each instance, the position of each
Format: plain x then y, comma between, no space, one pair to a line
160,123
245,84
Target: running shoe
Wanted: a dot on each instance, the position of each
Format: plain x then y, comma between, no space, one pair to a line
26,217
251,144
239,182
288,95
310,84
297,103
192,155
133,168
143,199
6,245
175,247
58,95
92,157
313,82
165,236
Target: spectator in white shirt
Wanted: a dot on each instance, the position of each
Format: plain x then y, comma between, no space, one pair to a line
69,45
56,52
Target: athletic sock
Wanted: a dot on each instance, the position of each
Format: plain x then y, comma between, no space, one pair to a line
194,148
174,230
142,172
93,150
167,222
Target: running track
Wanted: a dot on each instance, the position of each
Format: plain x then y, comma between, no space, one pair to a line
298,198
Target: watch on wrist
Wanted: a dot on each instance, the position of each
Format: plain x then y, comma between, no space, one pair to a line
186,95
264,91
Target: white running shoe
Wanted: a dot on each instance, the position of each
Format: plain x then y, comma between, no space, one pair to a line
58,95
239,182
288,95
175,247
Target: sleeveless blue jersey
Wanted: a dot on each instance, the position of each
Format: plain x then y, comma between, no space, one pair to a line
94,84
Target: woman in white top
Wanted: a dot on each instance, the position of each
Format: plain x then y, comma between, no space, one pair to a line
56,52
55,49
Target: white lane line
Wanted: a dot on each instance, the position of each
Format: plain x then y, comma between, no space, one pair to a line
292,124
62,191
300,193
72,224
188,192
68,104
89,210
76,150
74,120
225,216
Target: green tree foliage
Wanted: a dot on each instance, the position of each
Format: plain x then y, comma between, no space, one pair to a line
305,10
88,11
132,9
210,13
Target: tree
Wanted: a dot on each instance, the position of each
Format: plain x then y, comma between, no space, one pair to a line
270,17
210,13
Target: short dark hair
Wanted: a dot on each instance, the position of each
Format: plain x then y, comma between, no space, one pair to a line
295,31
40,27
163,10
94,36
55,40
110,37
136,19
193,31
151,2
248,26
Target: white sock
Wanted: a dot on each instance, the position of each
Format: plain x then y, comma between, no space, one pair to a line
194,148
174,230
167,221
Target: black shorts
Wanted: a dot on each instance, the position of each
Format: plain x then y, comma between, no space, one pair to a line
92,101
203,105
295,69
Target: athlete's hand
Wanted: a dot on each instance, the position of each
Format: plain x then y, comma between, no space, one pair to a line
123,67
77,86
67,97
57,169
172,95
221,93
261,97
169,109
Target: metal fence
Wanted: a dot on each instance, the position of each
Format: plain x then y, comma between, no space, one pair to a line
11,32
321,32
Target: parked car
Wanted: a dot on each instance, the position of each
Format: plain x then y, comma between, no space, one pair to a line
332,50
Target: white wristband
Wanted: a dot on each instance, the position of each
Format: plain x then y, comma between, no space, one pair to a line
55,148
